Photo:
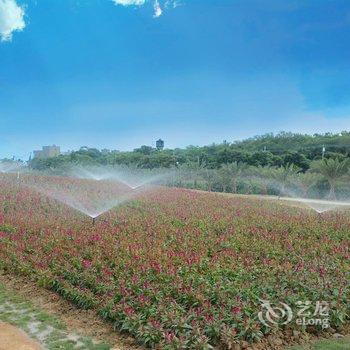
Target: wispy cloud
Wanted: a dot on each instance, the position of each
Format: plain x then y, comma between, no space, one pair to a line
11,19
157,9
157,6
129,2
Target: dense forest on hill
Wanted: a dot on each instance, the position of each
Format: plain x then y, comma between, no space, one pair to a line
278,150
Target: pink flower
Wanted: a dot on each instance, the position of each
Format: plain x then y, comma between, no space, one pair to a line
87,264
129,310
95,238
169,336
236,310
107,272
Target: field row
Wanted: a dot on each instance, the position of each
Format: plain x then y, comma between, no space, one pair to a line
179,269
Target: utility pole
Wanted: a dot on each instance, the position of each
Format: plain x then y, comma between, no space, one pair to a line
323,151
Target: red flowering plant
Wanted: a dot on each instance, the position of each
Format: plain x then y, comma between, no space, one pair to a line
177,268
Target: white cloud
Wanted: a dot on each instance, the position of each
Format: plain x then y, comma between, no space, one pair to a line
11,19
172,3
158,8
129,2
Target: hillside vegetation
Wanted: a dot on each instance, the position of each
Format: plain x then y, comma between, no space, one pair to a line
266,150
283,164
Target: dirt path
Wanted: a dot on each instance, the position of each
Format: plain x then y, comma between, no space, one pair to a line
77,322
11,338
53,322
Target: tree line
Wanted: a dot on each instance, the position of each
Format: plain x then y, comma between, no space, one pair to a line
307,165
326,178
267,150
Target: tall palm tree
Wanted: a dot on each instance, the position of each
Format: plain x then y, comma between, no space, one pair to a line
305,181
209,177
332,170
224,175
263,176
282,176
236,169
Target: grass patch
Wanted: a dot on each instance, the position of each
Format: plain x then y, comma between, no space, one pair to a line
339,344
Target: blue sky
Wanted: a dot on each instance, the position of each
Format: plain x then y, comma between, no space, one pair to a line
98,73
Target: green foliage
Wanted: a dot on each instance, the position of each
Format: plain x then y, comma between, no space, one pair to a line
266,150
332,170
7,228
340,344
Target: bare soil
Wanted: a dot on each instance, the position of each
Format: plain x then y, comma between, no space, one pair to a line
11,338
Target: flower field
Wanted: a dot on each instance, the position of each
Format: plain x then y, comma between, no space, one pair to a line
178,269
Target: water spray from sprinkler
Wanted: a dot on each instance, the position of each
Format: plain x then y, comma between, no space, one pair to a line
92,198
133,178
319,205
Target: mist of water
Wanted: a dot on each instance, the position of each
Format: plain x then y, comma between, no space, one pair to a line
93,173
90,197
133,178
320,206
10,167
287,193
95,190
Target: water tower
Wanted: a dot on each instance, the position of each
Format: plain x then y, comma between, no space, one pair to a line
159,144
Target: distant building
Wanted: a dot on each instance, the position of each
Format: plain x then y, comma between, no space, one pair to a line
159,144
47,152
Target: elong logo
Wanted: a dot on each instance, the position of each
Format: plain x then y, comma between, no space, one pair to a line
307,315
275,315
